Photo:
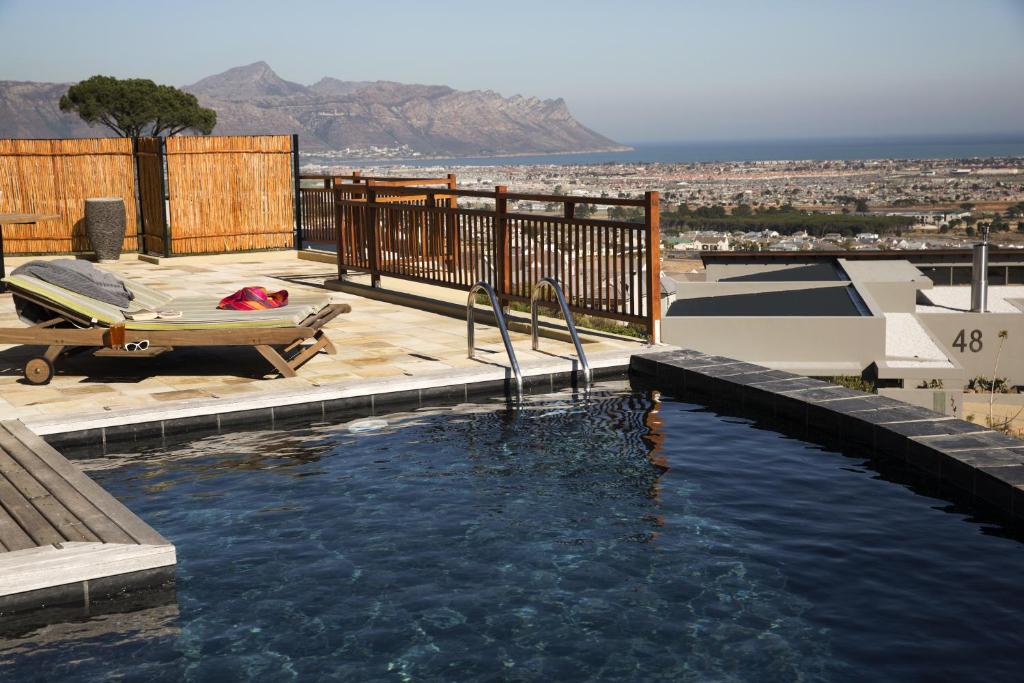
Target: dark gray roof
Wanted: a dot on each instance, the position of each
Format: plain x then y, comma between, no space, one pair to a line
823,301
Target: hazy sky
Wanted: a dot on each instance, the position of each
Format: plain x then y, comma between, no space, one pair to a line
636,71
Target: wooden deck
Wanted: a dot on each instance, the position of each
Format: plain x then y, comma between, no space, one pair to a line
63,539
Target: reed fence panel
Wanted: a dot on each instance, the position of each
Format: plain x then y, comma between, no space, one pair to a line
56,176
230,193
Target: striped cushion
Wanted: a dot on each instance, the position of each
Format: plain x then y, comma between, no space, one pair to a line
198,313
103,313
147,297
202,313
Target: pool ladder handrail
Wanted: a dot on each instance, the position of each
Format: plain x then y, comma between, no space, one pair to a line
555,285
499,317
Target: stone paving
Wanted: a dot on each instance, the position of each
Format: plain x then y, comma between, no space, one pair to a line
376,340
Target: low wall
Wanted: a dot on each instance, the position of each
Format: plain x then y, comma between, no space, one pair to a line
973,340
774,341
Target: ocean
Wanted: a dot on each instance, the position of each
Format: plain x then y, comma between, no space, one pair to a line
923,147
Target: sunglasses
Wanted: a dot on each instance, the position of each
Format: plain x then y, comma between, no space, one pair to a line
137,346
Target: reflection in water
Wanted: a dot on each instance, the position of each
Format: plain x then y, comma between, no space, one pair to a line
149,615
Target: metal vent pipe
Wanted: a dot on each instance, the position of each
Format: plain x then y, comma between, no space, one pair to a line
979,276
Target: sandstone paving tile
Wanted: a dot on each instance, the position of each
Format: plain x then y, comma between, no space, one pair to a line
180,395
88,389
33,396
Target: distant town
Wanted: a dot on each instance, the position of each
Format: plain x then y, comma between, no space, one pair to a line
780,205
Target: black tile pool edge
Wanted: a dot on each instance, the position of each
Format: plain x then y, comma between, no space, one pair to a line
984,465
88,442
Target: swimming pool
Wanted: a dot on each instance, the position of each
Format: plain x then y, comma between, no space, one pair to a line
619,536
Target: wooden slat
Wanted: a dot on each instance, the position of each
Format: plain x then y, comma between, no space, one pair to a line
275,359
85,513
76,562
106,503
26,515
12,536
60,518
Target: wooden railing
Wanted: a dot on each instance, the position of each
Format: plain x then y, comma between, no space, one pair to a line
318,226
608,268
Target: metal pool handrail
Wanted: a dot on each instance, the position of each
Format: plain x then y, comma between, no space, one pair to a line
555,285
502,327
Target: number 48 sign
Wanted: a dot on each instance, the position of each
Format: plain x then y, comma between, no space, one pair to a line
963,343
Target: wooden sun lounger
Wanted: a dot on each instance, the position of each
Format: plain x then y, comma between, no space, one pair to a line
68,332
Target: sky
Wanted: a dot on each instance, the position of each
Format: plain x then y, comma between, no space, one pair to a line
637,71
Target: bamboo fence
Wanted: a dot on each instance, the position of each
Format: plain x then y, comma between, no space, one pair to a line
56,176
229,194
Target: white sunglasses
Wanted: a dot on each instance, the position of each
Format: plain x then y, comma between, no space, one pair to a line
137,346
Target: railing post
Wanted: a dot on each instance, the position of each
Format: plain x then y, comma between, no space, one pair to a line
140,236
165,196
339,233
430,226
652,236
371,223
569,210
298,192
452,223
503,246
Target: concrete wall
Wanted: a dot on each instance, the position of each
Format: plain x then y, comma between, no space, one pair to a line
716,271
771,341
891,297
978,358
893,285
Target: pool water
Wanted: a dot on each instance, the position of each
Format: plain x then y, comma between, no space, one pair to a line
613,537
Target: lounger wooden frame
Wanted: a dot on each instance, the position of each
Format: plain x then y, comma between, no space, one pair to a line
285,348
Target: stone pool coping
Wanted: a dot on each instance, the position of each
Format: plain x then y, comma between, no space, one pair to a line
984,464
366,397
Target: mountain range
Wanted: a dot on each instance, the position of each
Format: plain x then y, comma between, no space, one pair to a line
361,118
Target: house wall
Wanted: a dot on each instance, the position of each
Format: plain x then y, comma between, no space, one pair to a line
976,349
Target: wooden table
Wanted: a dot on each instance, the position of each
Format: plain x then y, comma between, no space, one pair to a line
17,219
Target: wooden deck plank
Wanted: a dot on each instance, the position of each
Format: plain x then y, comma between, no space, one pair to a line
67,525
101,526
111,507
75,564
12,536
40,559
25,514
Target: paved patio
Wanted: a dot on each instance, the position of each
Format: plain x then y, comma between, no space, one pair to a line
376,341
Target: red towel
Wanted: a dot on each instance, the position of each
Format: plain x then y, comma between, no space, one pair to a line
254,299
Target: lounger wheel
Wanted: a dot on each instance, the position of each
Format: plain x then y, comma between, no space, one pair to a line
38,370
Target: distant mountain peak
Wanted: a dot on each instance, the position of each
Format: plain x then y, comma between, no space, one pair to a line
256,80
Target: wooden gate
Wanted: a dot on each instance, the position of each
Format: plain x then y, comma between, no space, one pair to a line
149,165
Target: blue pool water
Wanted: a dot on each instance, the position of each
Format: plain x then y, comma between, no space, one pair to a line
616,538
